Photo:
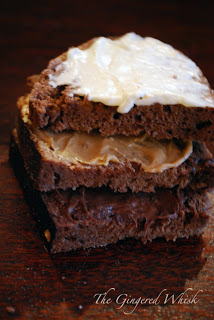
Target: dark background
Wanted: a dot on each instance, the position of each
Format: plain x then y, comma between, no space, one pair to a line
33,283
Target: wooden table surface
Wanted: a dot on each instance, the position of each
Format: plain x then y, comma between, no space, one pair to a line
37,285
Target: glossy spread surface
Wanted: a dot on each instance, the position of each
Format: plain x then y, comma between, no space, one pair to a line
102,204
93,149
132,70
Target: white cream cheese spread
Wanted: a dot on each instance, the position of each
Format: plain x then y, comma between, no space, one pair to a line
132,70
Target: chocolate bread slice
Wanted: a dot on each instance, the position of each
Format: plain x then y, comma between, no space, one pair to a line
52,165
57,109
94,217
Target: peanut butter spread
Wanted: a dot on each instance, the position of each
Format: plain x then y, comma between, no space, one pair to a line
93,149
132,70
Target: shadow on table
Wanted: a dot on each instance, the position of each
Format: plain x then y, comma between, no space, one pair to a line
130,268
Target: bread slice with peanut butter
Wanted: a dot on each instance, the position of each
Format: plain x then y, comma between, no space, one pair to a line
70,159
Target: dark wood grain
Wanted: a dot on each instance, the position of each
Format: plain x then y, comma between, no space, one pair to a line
36,285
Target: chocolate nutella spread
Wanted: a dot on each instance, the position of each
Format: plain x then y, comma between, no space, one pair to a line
104,205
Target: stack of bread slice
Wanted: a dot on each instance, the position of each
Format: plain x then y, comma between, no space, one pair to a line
114,139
